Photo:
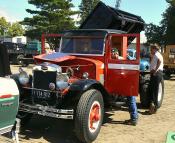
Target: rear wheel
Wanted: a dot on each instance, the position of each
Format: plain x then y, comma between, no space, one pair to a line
160,94
89,116
144,99
144,85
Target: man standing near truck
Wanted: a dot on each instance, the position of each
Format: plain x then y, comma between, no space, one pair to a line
156,70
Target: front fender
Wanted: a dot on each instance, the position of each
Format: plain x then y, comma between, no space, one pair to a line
79,87
83,85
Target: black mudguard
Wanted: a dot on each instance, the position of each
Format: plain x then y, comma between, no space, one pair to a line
79,87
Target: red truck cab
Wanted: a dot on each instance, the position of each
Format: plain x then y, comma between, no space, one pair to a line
90,51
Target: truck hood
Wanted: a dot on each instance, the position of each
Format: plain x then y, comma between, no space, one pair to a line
54,57
58,58
84,64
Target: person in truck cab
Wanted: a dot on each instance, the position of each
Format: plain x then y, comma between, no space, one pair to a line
156,70
115,54
131,100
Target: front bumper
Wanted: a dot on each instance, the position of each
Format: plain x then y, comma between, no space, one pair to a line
47,111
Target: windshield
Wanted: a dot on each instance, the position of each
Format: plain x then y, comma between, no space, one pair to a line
83,43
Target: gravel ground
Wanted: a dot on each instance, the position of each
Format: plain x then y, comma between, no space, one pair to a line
150,129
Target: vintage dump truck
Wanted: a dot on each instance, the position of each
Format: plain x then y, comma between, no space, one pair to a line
77,82
169,60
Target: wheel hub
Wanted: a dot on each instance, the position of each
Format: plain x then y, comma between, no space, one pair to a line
94,116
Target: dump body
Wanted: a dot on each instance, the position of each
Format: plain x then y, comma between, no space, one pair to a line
169,59
106,17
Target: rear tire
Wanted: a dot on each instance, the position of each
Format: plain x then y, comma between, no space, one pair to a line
143,90
89,116
144,99
160,94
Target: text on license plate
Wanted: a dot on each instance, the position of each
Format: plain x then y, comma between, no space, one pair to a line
41,94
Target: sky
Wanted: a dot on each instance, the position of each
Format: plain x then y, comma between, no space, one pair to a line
150,10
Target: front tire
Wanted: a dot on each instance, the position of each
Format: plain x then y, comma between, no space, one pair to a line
89,116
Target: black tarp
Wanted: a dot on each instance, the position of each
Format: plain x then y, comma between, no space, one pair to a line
4,61
105,17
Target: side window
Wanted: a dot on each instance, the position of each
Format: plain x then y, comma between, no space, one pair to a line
123,47
116,48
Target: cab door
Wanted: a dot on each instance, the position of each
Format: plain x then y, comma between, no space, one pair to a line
9,102
122,74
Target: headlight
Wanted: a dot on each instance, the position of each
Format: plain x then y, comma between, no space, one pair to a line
62,81
23,78
61,85
62,77
85,75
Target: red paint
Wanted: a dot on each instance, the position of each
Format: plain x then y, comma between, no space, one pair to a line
122,82
43,39
5,96
94,115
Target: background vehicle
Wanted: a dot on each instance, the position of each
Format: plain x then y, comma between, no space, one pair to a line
32,48
169,60
144,64
78,81
9,97
22,54
9,101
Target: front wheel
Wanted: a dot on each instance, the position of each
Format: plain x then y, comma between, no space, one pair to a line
20,59
89,115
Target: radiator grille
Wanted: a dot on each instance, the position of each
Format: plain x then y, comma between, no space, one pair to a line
43,79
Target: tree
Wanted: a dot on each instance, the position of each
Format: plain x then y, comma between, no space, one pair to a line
15,29
117,5
8,29
4,26
154,34
86,7
168,22
51,16
163,34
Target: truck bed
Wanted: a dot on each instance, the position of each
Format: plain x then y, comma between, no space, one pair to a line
105,17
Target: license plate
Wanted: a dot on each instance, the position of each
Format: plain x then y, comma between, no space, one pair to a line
41,94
